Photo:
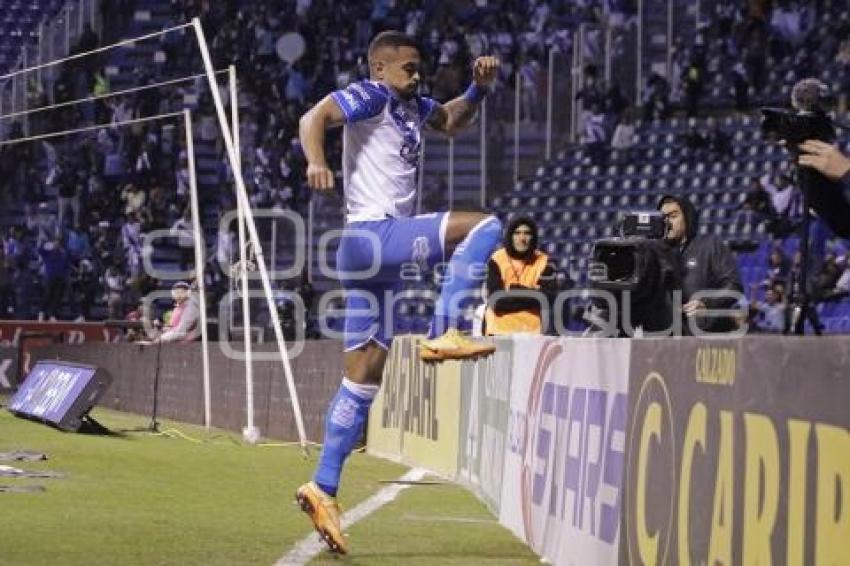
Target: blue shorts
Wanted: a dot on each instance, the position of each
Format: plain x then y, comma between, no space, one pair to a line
373,260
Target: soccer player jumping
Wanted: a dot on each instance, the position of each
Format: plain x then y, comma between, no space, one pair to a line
383,118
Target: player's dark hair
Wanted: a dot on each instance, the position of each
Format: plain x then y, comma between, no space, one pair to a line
393,39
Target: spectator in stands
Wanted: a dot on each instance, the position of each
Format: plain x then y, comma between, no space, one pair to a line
842,286
741,86
184,233
144,168
131,240
786,202
70,191
693,85
768,316
140,315
591,93
77,243
827,278
134,199
6,289
624,138
616,103
781,192
84,287
42,227
719,141
706,263
777,268
158,207
758,201
656,98
595,136
514,272
12,245
57,268
114,281
184,324
26,284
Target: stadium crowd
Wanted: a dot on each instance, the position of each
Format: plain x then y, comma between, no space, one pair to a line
115,185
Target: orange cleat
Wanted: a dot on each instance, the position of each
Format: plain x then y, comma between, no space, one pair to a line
325,513
453,346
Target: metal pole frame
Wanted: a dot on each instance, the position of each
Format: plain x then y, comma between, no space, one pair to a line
199,262
67,29
250,433
81,8
242,194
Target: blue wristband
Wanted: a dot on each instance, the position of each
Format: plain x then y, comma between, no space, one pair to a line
475,93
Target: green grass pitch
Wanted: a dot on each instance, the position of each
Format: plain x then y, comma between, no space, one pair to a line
146,499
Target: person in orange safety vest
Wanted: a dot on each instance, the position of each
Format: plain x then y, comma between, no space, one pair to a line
520,282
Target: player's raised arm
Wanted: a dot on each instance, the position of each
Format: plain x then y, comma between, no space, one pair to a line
311,130
455,115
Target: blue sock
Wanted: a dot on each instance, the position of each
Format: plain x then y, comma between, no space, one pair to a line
475,249
343,426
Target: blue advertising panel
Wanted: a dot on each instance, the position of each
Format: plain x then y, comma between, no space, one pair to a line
59,393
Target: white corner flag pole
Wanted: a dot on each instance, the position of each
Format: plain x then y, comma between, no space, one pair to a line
199,262
242,195
250,433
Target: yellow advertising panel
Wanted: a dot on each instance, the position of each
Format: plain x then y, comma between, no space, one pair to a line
415,417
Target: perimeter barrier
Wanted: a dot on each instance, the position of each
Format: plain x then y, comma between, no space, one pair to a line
606,451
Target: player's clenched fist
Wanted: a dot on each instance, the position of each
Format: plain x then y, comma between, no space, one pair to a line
319,177
484,70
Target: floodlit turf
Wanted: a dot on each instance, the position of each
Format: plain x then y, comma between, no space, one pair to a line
145,499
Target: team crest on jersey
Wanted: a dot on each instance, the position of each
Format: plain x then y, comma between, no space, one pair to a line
420,252
406,124
410,152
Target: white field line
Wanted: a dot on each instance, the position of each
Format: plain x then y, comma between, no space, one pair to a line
439,519
310,546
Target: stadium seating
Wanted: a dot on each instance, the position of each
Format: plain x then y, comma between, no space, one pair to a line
574,200
18,24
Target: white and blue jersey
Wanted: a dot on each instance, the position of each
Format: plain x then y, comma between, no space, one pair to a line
380,149
381,146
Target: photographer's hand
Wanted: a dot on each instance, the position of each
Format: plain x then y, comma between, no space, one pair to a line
825,158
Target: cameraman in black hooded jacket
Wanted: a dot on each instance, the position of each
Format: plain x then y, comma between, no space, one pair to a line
705,263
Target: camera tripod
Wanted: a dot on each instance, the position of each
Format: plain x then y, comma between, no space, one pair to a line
800,305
